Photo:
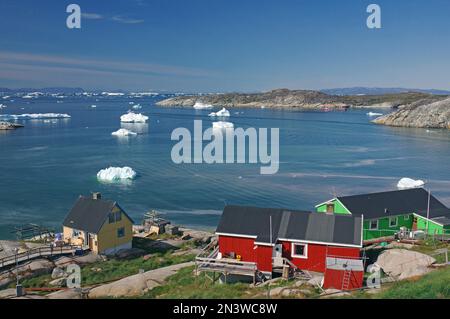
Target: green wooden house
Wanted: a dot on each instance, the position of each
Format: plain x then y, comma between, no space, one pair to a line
386,212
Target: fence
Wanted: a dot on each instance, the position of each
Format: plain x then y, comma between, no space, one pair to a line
36,253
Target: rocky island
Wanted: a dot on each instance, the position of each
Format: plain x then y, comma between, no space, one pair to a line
298,99
420,114
9,126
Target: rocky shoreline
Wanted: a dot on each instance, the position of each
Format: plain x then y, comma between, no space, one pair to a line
298,99
420,114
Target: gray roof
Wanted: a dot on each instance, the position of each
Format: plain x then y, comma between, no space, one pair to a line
443,220
399,202
290,224
89,214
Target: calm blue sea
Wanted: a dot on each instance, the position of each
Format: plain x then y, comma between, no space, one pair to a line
48,164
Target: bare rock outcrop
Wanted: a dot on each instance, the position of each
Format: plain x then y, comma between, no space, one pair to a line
420,114
401,263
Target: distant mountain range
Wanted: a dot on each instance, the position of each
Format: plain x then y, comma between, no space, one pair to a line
49,90
380,91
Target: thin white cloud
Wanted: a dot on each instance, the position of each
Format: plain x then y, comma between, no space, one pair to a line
28,59
125,20
91,16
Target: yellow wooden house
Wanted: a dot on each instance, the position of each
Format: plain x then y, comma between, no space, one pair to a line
101,225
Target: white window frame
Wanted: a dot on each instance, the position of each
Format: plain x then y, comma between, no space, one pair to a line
370,224
396,221
305,250
406,217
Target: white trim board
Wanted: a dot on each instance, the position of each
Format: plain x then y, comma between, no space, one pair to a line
236,235
318,242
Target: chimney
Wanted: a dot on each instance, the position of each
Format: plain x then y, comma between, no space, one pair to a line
96,195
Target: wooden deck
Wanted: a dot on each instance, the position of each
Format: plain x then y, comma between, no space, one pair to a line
226,267
37,253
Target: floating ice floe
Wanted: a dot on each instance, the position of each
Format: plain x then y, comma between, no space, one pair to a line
2,106
223,112
222,124
123,132
201,106
133,118
113,94
93,106
35,116
116,174
374,114
137,107
406,183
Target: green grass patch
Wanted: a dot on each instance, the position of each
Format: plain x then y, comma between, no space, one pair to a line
431,286
114,269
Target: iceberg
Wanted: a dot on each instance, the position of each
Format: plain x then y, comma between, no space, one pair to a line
137,107
222,125
113,93
114,174
406,183
374,114
201,106
133,118
2,106
123,132
35,116
93,106
223,112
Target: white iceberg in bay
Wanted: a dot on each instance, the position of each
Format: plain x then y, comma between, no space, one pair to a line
123,132
113,93
137,107
93,106
406,183
133,118
222,125
200,106
223,112
2,106
35,116
374,114
116,174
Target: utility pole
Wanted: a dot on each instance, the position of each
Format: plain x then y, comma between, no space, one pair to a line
428,211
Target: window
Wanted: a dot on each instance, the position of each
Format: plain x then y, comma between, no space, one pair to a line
111,218
121,232
373,224
299,250
406,217
393,222
118,216
330,208
75,233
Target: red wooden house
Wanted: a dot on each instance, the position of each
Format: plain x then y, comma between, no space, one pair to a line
272,237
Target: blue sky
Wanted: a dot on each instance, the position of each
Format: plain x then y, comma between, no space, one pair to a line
224,45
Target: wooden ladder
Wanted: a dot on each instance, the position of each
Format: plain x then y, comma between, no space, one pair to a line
346,279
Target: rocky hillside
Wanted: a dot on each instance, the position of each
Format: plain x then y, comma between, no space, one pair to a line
301,99
421,114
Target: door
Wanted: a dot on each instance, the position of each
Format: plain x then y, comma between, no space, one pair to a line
91,242
414,224
277,255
